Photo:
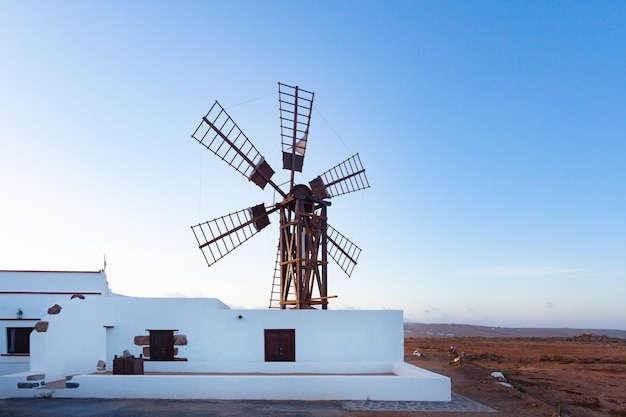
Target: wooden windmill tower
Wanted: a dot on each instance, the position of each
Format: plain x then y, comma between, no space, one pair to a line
305,237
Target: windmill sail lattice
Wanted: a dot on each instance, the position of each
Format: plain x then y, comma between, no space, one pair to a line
220,236
305,238
344,178
221,135
342,250
295,106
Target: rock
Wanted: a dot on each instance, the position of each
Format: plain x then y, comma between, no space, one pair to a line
41,326
55,309
179,340
141,340
126,354
499,376
102,365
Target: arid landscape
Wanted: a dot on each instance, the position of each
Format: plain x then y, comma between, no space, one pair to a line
579,376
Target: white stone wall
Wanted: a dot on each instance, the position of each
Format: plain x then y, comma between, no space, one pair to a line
33,292
73,342
99,328
53,281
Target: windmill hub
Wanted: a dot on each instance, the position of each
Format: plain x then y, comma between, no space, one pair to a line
305,237
301,191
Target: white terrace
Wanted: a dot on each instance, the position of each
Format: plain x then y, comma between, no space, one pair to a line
199,348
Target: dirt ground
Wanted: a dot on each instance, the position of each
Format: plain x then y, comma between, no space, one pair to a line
584,376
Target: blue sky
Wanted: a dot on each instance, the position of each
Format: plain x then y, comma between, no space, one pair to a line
492,134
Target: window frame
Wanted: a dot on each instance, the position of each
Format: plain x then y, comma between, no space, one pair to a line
18,344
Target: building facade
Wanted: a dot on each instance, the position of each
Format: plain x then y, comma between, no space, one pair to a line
26,296
196,348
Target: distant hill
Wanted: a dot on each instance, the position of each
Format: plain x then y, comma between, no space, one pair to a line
462,330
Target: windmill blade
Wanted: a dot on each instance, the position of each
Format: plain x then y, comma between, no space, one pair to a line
342,250
344,178
220,134
295,106
218,237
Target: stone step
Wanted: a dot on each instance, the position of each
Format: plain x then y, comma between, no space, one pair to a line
60,384
29,384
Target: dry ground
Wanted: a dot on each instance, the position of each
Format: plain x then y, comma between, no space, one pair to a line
585,374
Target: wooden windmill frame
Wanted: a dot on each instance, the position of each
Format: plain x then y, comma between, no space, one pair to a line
306,240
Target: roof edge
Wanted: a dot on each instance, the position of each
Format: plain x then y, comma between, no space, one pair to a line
53,272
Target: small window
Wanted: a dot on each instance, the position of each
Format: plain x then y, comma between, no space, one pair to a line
18,339
161,345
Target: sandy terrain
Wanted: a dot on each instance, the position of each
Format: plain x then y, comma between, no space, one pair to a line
585,374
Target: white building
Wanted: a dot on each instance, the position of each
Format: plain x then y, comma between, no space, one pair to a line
25,297
200,348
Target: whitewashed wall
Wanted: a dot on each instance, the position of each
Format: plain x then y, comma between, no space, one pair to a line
34,292
98,328
53,281
73,342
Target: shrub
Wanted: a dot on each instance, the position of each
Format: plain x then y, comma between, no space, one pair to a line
591,403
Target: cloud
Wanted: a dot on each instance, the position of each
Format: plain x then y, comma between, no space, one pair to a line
531,272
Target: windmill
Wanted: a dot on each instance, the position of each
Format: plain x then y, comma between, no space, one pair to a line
305,237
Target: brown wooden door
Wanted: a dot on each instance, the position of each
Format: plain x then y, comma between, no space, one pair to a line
161,345
280,345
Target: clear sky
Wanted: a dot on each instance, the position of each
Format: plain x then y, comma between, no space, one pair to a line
493,134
